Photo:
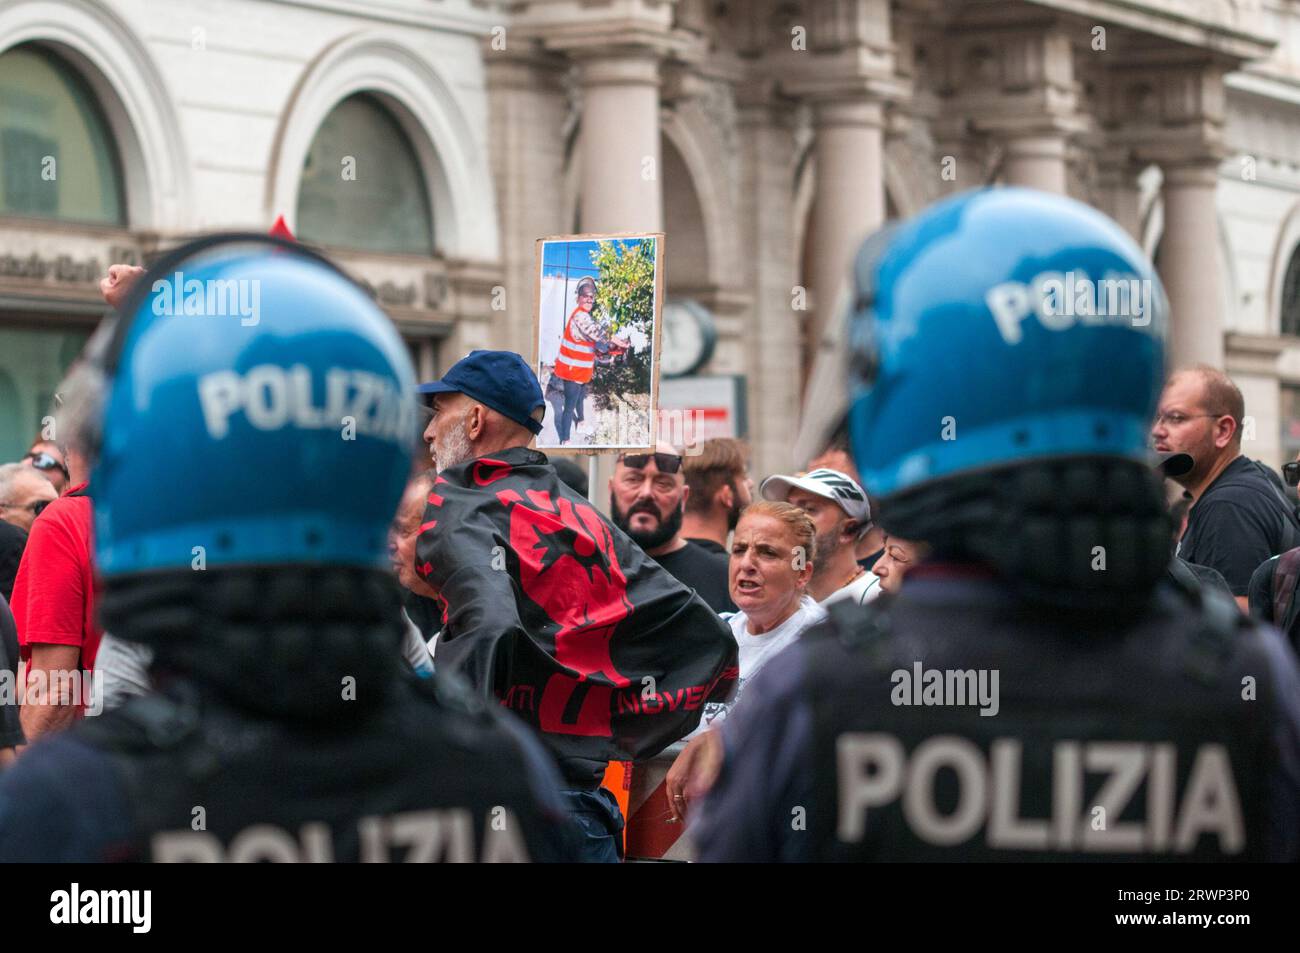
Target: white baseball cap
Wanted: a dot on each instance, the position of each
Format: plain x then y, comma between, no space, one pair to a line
838,487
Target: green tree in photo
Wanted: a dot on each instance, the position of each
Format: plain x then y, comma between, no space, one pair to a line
625,292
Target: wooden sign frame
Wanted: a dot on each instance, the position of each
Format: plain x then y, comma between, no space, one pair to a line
656,337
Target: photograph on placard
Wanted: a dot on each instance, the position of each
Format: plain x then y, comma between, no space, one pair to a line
599,300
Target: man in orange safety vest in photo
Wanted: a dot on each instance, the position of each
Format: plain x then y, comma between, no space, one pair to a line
577,358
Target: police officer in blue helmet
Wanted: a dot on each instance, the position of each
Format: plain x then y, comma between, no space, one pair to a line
251,416
1036,690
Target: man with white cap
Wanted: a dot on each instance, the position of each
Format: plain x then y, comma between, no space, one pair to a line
840,511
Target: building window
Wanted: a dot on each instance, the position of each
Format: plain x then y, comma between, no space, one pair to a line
32,363
1291,295
57,157
361,184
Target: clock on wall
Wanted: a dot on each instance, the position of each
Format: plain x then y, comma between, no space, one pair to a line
689,337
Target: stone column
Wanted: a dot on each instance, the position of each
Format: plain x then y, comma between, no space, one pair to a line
1252,361
850,197
850,70
1118,192
1173,113
1018,87
959,155
621,186
772,348
528,112
1036,161
1189,263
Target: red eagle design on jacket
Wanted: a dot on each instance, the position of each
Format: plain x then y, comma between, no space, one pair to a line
559,616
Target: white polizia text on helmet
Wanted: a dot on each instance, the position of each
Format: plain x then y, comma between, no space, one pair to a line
272,397
1060,300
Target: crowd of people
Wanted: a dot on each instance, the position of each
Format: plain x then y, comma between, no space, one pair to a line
689,607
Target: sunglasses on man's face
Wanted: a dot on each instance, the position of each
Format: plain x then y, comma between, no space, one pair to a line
1291,473
666,462
44,461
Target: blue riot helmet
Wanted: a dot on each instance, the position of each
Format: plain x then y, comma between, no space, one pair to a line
1005,354
257,408
249,415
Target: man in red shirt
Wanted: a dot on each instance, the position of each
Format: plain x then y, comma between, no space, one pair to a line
54,593
54,607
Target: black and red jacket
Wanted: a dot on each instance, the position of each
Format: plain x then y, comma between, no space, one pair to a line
559,615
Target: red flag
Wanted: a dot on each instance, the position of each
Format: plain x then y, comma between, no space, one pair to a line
281,230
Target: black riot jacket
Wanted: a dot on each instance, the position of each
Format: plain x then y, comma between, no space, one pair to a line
282,729
970,729
430,774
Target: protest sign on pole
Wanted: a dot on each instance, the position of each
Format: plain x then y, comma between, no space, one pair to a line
596,319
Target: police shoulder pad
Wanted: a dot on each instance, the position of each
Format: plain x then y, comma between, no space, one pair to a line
147,721
1211,640
453,693
862,630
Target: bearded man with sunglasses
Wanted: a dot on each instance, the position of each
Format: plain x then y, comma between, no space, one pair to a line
647,500
1239,516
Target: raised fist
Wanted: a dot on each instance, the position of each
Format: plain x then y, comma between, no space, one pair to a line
118,284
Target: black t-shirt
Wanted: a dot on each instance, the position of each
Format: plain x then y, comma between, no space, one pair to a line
1240,520
709,545
11,733
703,571
12,542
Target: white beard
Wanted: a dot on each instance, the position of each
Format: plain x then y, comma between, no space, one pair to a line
455,450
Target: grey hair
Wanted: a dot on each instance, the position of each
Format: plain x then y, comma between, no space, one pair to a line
8,473
78,421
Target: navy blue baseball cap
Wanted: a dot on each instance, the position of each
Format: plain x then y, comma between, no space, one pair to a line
497,379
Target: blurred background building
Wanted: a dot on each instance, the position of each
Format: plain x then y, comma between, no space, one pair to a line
426,144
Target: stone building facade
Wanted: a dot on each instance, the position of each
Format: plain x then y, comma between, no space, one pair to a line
765,137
